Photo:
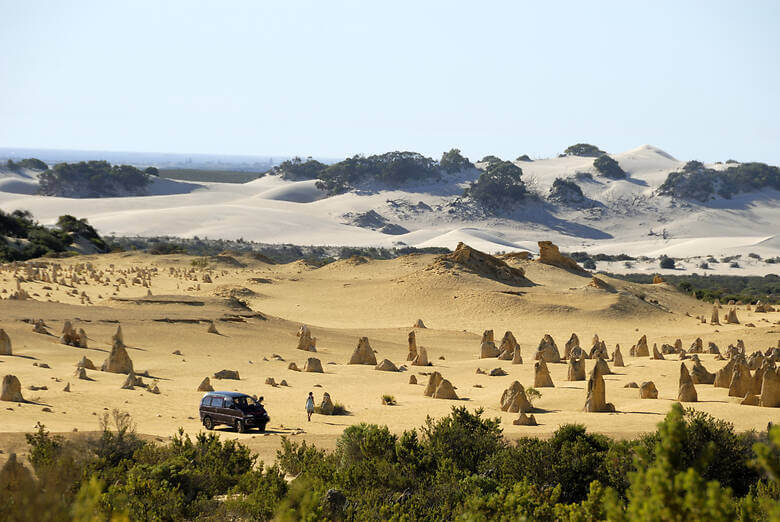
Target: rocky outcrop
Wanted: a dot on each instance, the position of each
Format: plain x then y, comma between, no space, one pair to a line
576,369
508,346
741,380
118,361
714,319
547,350
422,357
419,324
656,354
488,346
5,343
700,375
412,340
205,385
445,390
412,379
482,264
434,380
312,365
363,354
306,342
514,399
227,374
212,329
617,357
11,389
542,378
572,343
641,347
386,366
731,317
525,420
686,391
595,400
550,255
85,363
723,376
648,390
770,389
326,406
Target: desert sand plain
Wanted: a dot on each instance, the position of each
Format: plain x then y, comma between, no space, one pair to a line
166,304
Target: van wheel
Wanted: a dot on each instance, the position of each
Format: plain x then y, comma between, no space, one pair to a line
240,426
208,423
261,428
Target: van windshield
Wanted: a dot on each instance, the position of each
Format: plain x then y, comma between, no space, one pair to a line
244,402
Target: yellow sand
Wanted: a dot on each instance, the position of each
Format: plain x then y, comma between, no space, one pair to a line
340,303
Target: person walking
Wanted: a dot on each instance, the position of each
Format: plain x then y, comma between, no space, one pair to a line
310,405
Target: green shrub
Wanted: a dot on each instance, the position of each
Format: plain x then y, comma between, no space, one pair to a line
666,262
90,179
499,186
453,161
583,149
608,167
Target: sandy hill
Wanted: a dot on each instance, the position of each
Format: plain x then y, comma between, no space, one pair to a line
615,216
165,305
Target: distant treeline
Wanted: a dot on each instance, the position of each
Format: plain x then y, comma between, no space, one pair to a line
22,238
748,289
459,467
218,176
275,253
695,181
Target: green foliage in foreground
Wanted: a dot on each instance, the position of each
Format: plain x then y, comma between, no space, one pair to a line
456,468
22,238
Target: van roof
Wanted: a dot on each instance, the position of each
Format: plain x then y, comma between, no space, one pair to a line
227,394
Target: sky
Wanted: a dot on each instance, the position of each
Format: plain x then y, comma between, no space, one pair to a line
699,79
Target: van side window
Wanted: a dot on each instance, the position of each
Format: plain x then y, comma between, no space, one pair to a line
216,402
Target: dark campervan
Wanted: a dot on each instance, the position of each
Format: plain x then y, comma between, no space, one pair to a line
237,410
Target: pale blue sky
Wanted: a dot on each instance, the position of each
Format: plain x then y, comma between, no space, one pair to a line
698,79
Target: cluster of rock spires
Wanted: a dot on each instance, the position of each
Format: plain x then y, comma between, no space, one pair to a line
418,355
550,255
439,388
508,350
305,341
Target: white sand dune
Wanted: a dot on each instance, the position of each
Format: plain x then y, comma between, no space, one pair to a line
624,216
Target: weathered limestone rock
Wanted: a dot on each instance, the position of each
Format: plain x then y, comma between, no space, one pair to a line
758,379
517,357
497,372
715,319
412,379
508,347
599,350
514,399
741,380
306,342
576,369
656,354
712,348
648,390
81,338
363,353
770,389
205,385
326,406
641,347
445,390
5,343
657,279
617,357
604,367
687,391
412,338
292,366
40,327
750,400
631,385
525,420
118,339
85,363
419,324
312,365
596,401
386,366
433,382
700,375
212,329
542,378
724,375
547,350
11,390
550,255
118,361
697,346
81,374
422,357
227,374
572,343
488,346
731,317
